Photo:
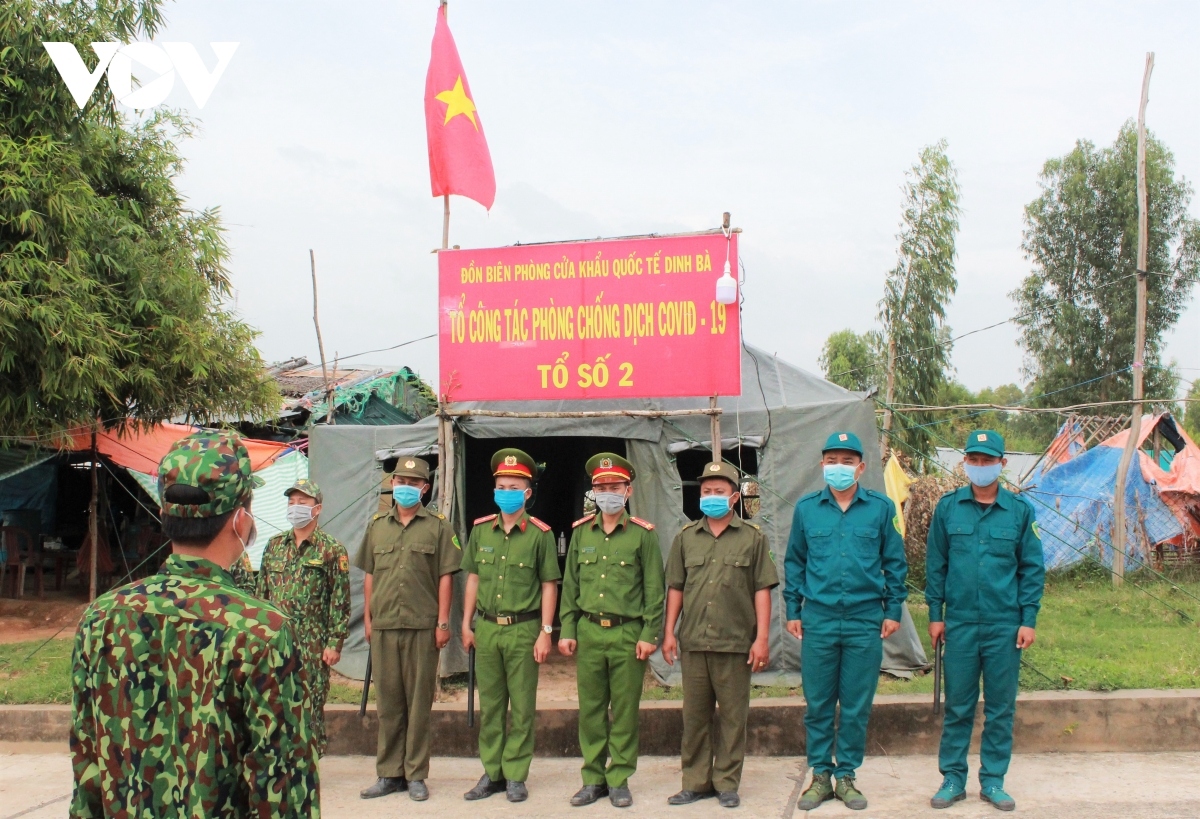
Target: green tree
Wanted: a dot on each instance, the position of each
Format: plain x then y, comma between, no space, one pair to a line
851,360
1078,304
111,288
913,309
1191,412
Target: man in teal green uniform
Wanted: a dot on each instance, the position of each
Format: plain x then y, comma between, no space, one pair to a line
612,613
845,571
512,584
984,580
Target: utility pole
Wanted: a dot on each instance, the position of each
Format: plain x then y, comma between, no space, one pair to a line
1119,533
889,396
94,517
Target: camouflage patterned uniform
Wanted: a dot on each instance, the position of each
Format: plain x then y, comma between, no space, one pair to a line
189,697
310,583
244,575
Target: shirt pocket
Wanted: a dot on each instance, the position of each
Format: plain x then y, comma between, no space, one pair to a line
961,535
737,570
819,539
588,562
521,562
866,538
384,555
1002,542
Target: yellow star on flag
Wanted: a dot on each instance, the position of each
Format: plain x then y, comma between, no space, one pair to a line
457,102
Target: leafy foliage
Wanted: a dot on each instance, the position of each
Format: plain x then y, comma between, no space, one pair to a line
1191,412
1078,304
111,289
913,309
853,361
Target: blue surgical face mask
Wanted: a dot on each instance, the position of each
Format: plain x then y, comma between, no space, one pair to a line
840,476
715,506
983,475
509,500
406,496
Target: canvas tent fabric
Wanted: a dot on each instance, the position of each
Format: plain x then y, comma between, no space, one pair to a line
269,503
1072,494
141,449
785,411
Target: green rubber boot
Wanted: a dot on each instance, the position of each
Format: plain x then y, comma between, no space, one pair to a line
851,796
821,790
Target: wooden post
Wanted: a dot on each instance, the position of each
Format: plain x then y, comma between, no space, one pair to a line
715,429
94,520
1139,345
312,259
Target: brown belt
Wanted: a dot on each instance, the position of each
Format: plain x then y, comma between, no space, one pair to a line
511,619
609,621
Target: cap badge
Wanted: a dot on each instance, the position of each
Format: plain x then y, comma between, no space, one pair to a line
410,464
981,437
843,437
714,467
510,460
606,463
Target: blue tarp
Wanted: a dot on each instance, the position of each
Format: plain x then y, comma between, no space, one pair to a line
1074,506
34,488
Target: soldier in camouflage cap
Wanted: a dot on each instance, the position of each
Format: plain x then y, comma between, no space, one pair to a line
188,695
306,573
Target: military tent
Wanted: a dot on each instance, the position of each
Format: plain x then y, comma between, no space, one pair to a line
773,431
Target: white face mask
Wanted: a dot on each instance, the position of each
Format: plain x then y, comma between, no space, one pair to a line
299,515
248,543
610,502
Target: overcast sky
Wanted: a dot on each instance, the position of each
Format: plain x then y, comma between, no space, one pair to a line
620,117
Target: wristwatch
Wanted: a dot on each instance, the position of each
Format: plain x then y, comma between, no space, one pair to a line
443,626
548,629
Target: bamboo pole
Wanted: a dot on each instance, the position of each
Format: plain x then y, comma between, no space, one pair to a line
94,520
714,416
312,260
1139,344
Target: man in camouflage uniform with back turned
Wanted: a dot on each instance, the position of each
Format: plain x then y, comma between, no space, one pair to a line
189,695
306,573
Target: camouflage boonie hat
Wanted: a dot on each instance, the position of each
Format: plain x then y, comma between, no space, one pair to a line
217,463
305,487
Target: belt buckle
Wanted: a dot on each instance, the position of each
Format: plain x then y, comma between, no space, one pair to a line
504,620
605,622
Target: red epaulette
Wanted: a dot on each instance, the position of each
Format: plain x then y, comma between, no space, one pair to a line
645,524
485,519
545,527
583,520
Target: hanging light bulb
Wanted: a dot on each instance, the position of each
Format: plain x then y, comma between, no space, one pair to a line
727,286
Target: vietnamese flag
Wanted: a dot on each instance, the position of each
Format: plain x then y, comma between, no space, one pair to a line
459,161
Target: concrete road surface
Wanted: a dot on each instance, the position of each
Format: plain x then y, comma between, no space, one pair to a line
36,783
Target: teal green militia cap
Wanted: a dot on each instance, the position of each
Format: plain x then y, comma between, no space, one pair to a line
843,440
987,441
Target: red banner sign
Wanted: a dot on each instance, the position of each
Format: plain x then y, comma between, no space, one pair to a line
620,318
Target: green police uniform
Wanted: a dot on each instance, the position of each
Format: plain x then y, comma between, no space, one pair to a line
845,573
310,582
512,566
188,695
406,564
612,598
719,577
985,576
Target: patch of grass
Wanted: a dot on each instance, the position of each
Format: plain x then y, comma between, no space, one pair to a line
1090,637
44,678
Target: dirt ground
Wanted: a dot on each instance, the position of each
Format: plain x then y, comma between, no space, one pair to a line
29,618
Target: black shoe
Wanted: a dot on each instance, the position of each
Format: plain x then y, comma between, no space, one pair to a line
517,791
588,794
729,799
385,785
417,791
620,797
485,788
686,797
